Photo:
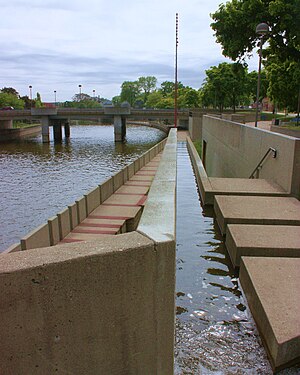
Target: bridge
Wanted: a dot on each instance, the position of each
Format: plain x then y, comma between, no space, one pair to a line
60,117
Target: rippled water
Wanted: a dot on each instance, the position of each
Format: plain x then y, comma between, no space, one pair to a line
38,180
215,333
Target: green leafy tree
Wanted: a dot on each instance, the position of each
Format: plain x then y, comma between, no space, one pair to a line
284,77
146,85
11,100
235,29
224,85
10,90
130,91
191,98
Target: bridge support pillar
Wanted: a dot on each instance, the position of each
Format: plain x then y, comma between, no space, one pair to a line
57,132
6,124
45,129
120,128
67,130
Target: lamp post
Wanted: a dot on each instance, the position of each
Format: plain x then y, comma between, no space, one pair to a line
55,97
262,29
30,95
94,94
80,92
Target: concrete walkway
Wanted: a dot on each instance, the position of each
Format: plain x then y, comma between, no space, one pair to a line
119,213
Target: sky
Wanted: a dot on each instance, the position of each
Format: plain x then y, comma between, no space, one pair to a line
59,44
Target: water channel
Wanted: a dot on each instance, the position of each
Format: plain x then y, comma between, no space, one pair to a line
215,333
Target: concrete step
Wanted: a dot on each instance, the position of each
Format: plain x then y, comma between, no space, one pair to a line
271,286
256,210
262,240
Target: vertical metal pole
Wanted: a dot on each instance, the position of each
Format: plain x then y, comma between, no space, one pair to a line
176,79
258,81
298,109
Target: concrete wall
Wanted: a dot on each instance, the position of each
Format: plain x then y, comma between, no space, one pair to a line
195,127
102,307
234,150
19,133
286,131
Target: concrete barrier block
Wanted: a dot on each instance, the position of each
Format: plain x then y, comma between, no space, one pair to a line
73,215
130,170
136,165
59,297
118,180
142,161
147,157
64,223
271,286
152,153
262,240
39,237
92,199
106,189
54,231
13,248
125,174
81,209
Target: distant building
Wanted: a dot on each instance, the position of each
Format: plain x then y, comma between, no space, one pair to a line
49,105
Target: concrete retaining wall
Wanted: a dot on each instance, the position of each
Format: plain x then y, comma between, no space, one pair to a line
234,150
19,133
102,307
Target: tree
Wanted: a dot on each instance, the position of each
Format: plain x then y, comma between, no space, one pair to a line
284,78
252,85
10,100
191,98
224,85
235,24
235,29
147,85
10,90
129,92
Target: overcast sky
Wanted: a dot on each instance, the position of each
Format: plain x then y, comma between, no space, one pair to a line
59,44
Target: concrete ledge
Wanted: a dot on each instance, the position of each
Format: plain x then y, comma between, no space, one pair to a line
39,237
262,240
159,215
256,210
271,286
106,189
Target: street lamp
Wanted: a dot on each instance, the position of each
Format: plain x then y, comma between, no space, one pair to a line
79,92
262,29
30,95
55,97
94,94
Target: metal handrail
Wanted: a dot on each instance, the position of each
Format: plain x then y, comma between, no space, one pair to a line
259,165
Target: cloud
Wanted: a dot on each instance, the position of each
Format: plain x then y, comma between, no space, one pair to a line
55,45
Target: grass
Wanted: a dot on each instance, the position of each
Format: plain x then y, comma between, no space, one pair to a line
198,146
18,125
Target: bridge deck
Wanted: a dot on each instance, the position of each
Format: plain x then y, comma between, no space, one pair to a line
119,213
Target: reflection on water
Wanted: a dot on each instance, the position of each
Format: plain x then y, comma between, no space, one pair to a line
215,333
38,180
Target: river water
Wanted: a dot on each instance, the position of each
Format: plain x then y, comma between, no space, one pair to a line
38,180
